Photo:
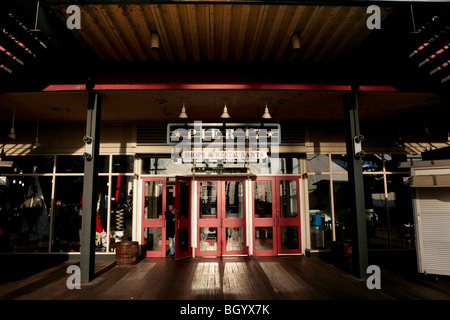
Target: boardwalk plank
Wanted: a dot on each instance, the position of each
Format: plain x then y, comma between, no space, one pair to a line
231,278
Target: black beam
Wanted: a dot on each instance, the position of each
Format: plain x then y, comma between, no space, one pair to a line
356,183
87,258
273,2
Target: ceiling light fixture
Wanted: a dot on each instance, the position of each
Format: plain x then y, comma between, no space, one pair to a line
266,114
36,143
183,114
154,40
12,134
295,42
225,112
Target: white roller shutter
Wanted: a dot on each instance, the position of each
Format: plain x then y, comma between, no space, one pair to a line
433,230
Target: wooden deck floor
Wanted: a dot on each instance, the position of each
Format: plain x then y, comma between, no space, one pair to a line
234,278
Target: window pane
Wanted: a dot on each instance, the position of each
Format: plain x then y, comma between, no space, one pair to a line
121,208
320,211
68,213
153,199
263,238
288,199
152,239
164,166
235,239
377,218
400,208
25,204
122,163
372,162
103,164
342,199
234,199
208,239
208,199
392,162
69,164
339,163
318,163
289,238
29,164
263,199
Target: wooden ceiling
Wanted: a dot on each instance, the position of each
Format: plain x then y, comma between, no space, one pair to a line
207,105
219,32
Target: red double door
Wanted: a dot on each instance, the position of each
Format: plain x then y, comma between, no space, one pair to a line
157,196
276,219
221,224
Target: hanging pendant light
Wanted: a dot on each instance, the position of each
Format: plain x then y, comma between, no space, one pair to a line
183,114
12,134
266,114
225,112
36,143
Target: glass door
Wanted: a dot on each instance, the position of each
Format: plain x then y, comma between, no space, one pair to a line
276,218
288,220
233,218
183,247
221,218
153,220
264,218
208,219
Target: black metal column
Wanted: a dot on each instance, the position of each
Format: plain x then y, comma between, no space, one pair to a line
356,183
92,140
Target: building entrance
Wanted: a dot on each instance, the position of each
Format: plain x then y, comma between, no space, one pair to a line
276,219
221,217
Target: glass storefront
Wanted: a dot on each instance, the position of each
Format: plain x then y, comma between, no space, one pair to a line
41,203
387,199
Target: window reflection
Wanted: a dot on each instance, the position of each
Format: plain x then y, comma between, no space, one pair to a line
263,199
24,213
388,203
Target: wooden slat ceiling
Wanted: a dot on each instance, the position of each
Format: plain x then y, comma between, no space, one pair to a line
219,32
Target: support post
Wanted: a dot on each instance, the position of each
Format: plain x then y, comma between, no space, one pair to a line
92,140
356,183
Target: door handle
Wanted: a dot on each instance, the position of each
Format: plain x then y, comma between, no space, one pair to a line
274,222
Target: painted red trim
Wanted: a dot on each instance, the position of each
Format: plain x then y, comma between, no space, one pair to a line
215,86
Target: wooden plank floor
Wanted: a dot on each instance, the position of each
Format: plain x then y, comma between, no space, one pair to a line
233,278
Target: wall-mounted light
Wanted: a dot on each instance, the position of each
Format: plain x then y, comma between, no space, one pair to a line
154,40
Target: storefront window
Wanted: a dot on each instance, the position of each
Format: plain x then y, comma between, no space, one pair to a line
401,225
121,208
122,163
342,202
25,203
75,164
372,163
377,213
320,211
28,164
68,213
